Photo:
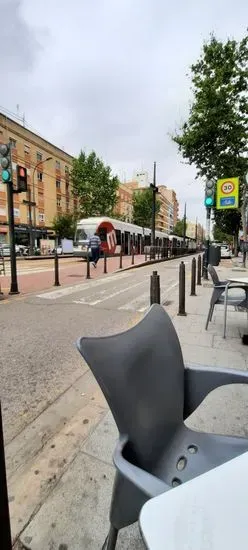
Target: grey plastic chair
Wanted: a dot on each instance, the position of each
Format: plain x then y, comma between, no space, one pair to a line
218,295
150,392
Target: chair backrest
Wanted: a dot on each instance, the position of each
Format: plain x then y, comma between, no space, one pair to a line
213,273
141,374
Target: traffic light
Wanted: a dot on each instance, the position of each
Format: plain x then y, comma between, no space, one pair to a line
22,180
210,194
5,161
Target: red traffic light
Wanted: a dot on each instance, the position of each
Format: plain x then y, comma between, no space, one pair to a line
22,179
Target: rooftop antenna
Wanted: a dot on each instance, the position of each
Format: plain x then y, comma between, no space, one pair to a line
18,110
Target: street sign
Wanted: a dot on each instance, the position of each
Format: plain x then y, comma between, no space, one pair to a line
227,195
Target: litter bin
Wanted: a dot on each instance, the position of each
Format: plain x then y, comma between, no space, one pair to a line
214,254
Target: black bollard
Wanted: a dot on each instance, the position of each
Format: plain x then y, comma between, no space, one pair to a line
105,263
88,267
121,259
155,288
193,277
205,266
181,309
56,270
5,536
203,260
132,255
199,270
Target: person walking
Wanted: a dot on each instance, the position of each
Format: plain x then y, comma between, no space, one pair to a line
94,245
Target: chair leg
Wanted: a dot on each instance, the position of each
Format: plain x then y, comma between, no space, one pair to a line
212,310
210,313
110,542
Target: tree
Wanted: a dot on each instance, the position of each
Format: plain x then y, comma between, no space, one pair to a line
215,136
142,207
94,185
179,228
64,225
220,236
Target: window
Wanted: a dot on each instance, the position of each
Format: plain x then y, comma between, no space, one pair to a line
41,217
38,156
58,182
66,170
67,186
58,202
26,149
57,165
67,204
39,176
12,143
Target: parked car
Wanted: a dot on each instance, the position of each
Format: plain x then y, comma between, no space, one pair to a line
225,251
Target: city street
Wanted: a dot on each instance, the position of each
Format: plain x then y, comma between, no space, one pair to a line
59,434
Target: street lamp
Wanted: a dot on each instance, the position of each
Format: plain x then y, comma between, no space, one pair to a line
33,193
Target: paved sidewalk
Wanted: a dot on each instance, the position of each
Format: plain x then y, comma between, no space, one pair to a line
73,473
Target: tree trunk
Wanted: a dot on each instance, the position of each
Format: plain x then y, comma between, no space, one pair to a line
235,243
243,215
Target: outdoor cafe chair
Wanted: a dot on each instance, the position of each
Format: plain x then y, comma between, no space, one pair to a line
218,295
150,393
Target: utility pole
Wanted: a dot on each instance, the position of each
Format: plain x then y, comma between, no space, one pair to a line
196,231
153,186
184,224
207,239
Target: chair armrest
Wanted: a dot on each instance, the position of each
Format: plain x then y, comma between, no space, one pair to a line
200,381
150,485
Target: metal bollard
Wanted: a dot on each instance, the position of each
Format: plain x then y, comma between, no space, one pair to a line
132,256
193,277
121,259
4,502
199,270
56,270
181,308
88,267
105,263
205,266
155,288
203,260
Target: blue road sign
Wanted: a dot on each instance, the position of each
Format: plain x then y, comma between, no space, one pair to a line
227,201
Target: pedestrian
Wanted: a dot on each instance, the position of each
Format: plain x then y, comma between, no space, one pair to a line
94,245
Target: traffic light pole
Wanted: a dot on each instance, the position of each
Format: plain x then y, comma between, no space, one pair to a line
13,284
206,255
153,232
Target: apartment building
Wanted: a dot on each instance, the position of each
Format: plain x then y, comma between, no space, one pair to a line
195,230
124,207
48,169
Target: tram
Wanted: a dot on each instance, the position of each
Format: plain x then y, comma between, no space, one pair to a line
115,235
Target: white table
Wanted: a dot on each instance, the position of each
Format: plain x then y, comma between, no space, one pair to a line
243,281
209,512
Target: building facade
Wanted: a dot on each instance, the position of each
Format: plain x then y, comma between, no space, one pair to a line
195,231
124,206
49,186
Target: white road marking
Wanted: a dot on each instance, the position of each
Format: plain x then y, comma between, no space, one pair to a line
109,296
66,291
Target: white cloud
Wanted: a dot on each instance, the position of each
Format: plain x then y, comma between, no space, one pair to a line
111,76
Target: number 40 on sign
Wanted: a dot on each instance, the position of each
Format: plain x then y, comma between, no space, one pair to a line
227,193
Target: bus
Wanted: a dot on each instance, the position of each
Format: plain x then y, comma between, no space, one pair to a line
115,236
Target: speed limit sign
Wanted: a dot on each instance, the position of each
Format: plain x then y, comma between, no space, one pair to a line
227,193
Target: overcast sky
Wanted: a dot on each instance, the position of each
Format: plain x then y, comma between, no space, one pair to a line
110,75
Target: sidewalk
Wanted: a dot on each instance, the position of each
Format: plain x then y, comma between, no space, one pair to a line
71,273
64,477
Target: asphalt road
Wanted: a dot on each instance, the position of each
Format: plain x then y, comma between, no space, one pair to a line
39,360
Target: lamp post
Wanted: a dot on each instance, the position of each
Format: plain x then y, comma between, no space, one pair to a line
33,193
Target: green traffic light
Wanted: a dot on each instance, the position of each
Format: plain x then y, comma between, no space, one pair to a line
5,176
209,201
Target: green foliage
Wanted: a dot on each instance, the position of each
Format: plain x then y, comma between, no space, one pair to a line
220,236
94,185
179,228
64,225
215,136
142,207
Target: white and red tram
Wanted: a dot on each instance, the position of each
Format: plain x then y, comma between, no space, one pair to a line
114,235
